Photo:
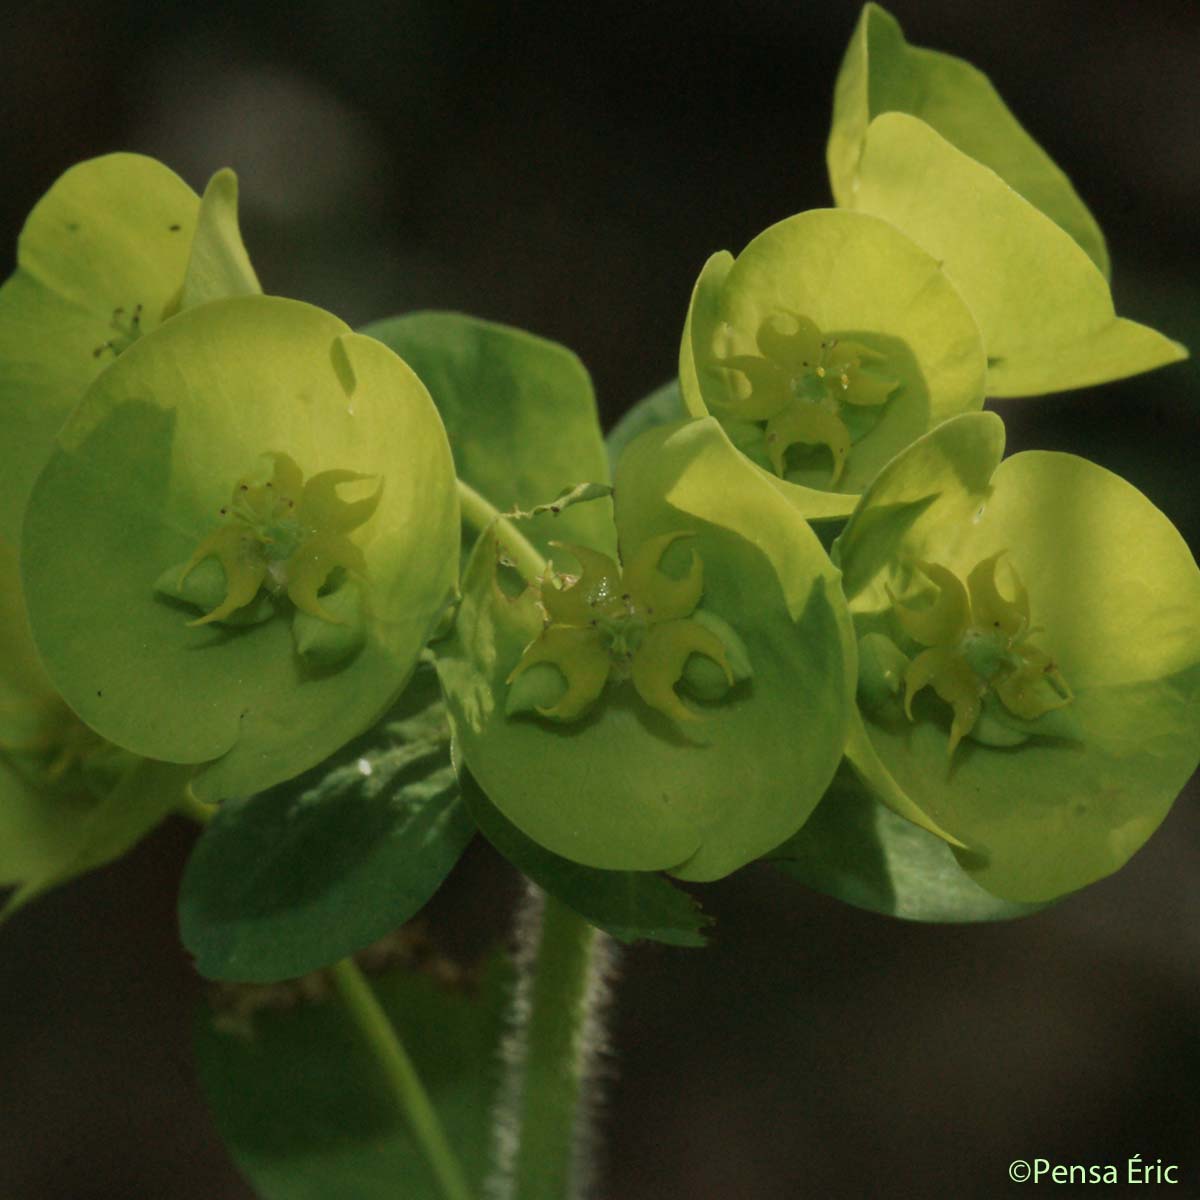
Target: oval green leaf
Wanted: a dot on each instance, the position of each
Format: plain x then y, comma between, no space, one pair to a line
302,875
520,413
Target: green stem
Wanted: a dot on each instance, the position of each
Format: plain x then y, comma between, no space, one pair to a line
480,513
368,1014
363,1005
559,1039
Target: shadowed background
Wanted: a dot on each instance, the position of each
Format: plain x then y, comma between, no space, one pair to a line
568,168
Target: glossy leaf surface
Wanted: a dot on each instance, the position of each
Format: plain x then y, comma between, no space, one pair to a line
297,877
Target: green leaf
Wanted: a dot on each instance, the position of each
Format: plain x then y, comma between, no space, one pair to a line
520,414
860,281
309,872
624,787
102,256
1043,306
304,1106
139,478
882,73
854,849
630,906
1115,595
661,407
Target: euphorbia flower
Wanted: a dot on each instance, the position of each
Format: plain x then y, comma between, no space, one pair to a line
1067,670
286,535
118,245
256,649
624,625
828,345
802,384
726,608
978,642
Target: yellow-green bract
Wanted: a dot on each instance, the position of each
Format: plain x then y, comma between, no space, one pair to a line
922,140
624,786
141,474
118,245
828,345
68,800
1040,797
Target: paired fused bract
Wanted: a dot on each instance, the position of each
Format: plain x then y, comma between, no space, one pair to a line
977,640
800,383
624,625
287,535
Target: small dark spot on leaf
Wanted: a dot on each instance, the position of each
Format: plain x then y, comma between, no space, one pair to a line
72,226
175,228
99,692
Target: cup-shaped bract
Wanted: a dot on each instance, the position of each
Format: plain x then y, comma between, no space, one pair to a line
827,346
259,440
1029,634
117,245
69,801
695,695
1044,308
882,73
922,140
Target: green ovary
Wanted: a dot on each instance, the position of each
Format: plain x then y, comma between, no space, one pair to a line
287,536
635,625
800,383
977,641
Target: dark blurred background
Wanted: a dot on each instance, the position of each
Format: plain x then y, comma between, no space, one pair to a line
568,168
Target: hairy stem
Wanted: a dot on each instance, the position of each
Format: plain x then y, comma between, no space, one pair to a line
368,1014
544,1126
480,513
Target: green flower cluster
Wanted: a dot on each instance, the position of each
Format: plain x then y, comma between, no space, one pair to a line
815,588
